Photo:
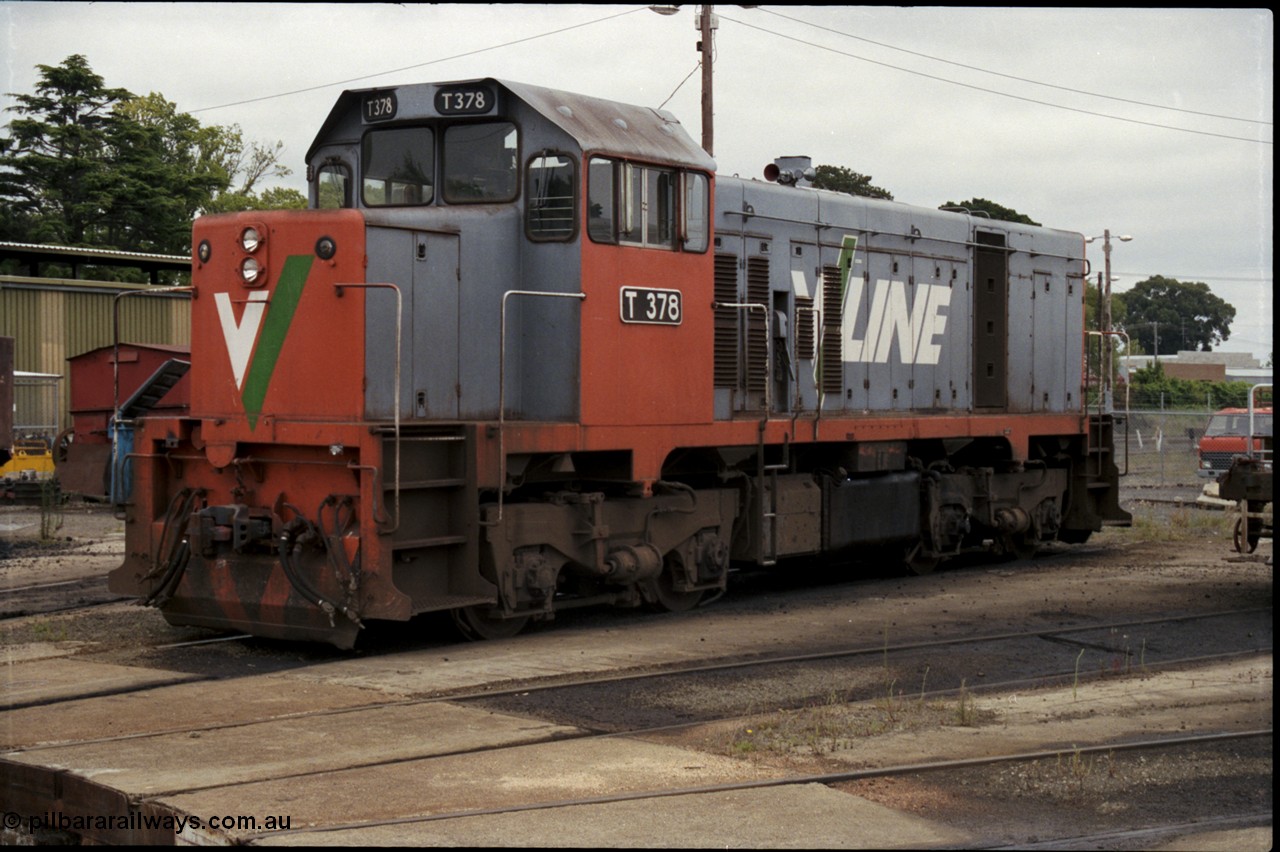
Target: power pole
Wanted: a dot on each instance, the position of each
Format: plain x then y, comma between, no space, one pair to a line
706,26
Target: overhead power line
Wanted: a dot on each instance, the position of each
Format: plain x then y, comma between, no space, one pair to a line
1013,76
990,91
422,64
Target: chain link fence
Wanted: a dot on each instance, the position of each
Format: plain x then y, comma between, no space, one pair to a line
1162,448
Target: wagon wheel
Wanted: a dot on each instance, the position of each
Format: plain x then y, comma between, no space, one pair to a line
1238,538
475,623
62,445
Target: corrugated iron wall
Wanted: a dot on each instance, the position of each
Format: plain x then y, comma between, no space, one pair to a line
52,320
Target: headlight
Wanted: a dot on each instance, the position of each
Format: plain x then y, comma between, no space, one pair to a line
250,239
250,269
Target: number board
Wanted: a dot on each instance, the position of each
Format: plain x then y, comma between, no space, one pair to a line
379,106
651,306
465,100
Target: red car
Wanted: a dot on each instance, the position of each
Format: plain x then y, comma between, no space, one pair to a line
1227,436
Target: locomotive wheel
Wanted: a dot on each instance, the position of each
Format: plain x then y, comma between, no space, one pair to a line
917,563
1017,546
1255,535
475,623
1074,536
667,599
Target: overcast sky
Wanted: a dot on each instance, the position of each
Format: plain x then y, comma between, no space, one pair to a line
1150,122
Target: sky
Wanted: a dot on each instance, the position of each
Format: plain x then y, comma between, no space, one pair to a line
1153,123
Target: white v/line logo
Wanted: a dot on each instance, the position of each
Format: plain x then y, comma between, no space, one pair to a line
240,336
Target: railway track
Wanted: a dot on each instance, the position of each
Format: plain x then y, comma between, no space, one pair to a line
60,596
636,715
1143,833
575,705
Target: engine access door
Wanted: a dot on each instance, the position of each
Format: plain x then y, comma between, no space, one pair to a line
424,266
990,321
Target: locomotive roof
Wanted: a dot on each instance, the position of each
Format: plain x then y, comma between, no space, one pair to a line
597,124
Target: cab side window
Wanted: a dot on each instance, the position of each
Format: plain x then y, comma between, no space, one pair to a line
333,187
641,205
550,197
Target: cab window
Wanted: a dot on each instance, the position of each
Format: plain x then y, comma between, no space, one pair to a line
333,187
695,225
480,162
600,200
550,199
648,206
398,165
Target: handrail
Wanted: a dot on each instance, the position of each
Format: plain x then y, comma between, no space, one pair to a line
116,461
502,388
1105,405
395,525
1252,393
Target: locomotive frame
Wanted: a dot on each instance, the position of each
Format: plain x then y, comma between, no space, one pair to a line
529,351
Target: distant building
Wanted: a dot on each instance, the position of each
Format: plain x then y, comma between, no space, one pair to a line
1204,366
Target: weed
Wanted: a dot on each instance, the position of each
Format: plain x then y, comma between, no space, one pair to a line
966,712
48,631
50,509
1075,683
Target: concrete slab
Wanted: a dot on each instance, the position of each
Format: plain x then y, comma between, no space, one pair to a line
176,708
1230,840
524,775
288,748
29,651
28,683
808,816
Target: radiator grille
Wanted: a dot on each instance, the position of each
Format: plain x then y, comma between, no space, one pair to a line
726,321
832,364
757,323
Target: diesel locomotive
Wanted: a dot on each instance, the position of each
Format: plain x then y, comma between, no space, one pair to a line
529,351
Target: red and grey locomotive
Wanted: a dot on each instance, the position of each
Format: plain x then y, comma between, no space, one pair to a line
529,351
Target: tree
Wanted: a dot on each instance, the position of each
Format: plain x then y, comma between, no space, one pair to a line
993,210
94,166
55,180
841,179
163,176
1180,315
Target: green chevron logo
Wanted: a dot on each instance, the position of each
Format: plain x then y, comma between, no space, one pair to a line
260,352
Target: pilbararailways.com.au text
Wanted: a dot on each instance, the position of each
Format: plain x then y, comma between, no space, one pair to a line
56,820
